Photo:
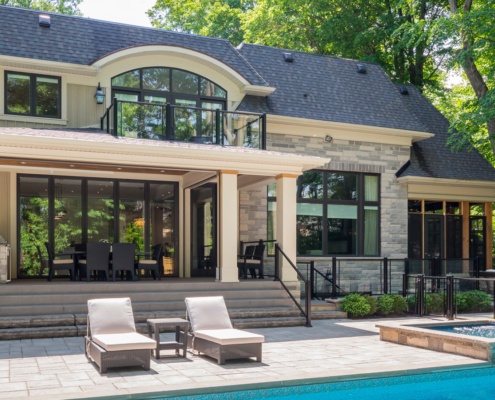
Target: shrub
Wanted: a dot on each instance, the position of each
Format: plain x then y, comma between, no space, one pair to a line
400,304
356,305
385,304
473,301
373,302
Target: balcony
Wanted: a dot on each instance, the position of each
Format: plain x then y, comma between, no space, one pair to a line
157,121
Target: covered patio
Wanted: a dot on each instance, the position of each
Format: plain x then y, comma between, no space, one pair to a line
191,169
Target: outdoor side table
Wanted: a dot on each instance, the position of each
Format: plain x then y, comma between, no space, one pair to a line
179,324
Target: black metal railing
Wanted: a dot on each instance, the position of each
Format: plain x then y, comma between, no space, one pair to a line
303,291
158,121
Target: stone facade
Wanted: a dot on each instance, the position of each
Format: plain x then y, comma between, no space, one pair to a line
4,262
351,156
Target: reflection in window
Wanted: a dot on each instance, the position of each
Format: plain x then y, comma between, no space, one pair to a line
309,229
156,79
100,211
184,82
128,80
310,185
342,186
68,213
33,95
131,213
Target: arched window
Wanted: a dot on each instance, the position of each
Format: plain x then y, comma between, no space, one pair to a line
168,85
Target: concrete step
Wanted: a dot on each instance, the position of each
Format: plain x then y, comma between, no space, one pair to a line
44,310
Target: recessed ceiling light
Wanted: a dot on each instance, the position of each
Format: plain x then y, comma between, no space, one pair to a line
119,168
23,162
72,165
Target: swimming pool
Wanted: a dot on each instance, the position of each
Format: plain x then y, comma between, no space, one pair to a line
453,385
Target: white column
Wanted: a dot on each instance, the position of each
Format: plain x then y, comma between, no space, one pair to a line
228,227
286,222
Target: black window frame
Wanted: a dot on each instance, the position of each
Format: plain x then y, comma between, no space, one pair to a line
171,95
32,94
359,202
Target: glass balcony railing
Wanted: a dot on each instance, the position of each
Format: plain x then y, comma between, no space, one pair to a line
187,124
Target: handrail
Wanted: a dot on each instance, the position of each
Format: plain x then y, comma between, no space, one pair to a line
307,311
222,125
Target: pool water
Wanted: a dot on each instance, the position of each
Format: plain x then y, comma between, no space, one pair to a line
480,330
454,385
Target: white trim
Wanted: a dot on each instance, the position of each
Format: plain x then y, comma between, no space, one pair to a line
293,126
30,64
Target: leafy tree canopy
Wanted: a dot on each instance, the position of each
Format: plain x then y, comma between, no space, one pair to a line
414,41
59,6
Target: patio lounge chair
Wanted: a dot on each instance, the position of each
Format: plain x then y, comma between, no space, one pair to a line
111,339
212,332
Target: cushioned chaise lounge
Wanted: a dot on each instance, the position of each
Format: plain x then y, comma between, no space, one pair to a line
212,332
112,340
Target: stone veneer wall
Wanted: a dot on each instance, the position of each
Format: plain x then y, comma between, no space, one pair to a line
351,156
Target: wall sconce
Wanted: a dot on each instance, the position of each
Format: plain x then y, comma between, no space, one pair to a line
328,139
99,95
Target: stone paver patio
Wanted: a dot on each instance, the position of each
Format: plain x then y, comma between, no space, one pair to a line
58,369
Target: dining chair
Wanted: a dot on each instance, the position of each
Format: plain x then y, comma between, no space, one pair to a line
57,264
123,255
154,265
97,260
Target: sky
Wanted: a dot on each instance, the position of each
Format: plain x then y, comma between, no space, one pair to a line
124,11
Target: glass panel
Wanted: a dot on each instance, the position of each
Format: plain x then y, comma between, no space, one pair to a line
162,224
310,185
453,208
309,229
141,120
371,189
128,79
184,82
185,120
271,227
414,206
47,97
68,213
18,94
33,211
433,207
476,209
131,213
100,211
241,130
126,96
208,121
342,229
415,235
155,99
272,190
454,236
208,88
156,79
342,186
371,234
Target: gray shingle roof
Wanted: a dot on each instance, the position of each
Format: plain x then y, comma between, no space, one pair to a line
431,158
328,89
79,40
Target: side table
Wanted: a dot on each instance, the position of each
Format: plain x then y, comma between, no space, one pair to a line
179,324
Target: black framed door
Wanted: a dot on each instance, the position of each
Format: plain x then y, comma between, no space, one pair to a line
477,239
204,230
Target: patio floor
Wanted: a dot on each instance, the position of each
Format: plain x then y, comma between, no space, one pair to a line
58,369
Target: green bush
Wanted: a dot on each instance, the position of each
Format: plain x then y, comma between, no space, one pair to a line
392,304
356,305
373,302
473,301
385,304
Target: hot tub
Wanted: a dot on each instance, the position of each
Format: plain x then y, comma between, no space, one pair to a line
428,336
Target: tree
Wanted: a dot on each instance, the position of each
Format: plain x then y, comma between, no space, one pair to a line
414,41
59,6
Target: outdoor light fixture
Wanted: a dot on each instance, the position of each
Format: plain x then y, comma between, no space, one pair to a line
99,95
328,139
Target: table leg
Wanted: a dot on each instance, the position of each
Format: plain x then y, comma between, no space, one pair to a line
157,338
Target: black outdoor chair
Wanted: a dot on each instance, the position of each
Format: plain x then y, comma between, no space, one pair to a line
155,264
252,259
123,255
97,260
57,264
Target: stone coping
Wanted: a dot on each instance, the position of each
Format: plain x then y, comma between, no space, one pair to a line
421,335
